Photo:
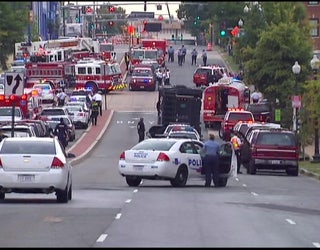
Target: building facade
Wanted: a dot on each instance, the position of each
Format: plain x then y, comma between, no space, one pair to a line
313,8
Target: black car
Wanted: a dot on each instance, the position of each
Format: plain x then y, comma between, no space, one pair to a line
261,111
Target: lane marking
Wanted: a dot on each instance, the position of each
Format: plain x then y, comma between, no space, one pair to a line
254,194
136,190
244,185
316,244
290,221
102,238
118,216
128,201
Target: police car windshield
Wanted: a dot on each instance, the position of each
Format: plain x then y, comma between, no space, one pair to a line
142,72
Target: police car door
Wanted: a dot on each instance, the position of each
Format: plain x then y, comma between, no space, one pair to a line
192,158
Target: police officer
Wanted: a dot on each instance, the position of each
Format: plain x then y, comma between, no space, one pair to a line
141,129
61,131
94,112
210,160
97,97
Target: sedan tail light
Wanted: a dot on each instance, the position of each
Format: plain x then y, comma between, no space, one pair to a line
57,163
163,157
123,156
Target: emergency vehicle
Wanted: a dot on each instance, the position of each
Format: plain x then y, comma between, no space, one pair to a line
204,75
225,94
143,56
29,103
98,75
107,51
161,45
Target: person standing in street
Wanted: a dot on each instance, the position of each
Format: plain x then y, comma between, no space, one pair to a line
236,142
204,57
141,129
98,98
184,52
94,112
210,160
171,54
61,131
194,55
127,60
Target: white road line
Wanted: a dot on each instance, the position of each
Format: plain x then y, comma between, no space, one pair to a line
118,216
128,201
237,179
244,185
290,221
316,244
254,194
102,238
135,191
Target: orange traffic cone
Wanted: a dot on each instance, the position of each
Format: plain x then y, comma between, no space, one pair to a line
209,47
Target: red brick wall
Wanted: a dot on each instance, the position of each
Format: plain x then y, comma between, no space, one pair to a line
314,13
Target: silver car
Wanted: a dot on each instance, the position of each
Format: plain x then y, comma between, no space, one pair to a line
35,165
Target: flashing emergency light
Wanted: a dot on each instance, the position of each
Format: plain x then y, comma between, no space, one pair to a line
12,97
2,97
24,97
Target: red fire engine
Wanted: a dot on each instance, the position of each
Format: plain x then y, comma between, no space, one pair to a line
29,103
219,97
107,51
143,55
98,74
159,44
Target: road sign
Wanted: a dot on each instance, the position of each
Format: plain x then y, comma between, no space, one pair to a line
296,101
13,83
89,10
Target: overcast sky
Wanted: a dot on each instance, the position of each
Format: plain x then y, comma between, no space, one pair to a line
139,5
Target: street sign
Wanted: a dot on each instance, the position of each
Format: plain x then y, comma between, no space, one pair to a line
277,115
89,10
13,84
296,101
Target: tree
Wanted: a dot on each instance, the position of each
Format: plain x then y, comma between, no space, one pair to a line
14,20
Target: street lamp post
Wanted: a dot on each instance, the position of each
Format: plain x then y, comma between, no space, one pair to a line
314,63
296,68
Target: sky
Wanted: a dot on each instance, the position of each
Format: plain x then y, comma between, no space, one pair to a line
139,6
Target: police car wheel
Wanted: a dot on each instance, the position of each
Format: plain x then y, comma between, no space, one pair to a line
181,177
133,181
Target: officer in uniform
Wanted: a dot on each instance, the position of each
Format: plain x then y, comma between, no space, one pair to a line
236,142
61,130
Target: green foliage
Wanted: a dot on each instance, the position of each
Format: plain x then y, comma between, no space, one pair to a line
13,24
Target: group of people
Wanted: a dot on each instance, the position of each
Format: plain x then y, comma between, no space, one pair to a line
163,76
182,55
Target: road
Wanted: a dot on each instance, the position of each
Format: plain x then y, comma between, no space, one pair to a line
263,210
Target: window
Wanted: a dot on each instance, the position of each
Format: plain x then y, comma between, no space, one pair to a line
81,70
98,71
313,3
89,71
314,31
26,147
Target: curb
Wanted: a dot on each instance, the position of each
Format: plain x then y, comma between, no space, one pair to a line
79,158
310,174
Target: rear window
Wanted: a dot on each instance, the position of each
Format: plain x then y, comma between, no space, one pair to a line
240,117
203,71
27,147
157,145
53,112
279,139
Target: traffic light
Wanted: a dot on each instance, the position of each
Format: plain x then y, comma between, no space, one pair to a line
111,23
172,37
77,19
83,9
223,33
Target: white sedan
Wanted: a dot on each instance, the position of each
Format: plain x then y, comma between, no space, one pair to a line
35,165
175,160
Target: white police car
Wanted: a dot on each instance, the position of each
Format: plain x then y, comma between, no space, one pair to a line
171,159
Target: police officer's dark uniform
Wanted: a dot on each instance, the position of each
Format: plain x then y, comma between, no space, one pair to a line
95,112
141,129
61,130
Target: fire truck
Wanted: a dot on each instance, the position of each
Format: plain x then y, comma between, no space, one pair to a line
159,44
219,97
98,74
144,55
29,103
107,51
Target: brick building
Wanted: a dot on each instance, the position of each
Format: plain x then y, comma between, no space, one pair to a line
313,8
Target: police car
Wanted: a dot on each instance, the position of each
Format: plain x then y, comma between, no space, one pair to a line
175,160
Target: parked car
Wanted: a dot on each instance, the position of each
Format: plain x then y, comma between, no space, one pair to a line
80,114
6,114
142,78
46,91
35,165
175,160
262,111
271,149
53,121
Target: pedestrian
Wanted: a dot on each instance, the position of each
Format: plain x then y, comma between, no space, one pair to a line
61,131
61,98
127,60
210,160
171,54
204,57
98,98
184,52
256,96
166,76
236,142
141,129
180,56
159,76
194,55
94,112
